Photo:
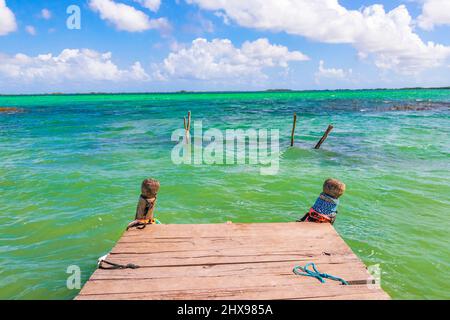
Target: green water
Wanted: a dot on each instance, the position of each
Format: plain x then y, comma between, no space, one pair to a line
70,169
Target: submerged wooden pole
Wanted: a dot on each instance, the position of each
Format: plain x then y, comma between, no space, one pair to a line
187,127
189,122
293,129
324,137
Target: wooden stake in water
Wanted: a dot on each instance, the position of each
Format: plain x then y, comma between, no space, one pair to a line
324,137
187,127
189,122
293,129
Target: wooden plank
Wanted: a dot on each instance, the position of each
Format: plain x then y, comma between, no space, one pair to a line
144,251
200,283
201,258
180,231
189,242
377,295
351,270
230,261
244,292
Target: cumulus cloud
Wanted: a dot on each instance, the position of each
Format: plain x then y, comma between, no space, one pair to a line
152,5
387,36
127,18
331,73
46,14
70,65
434,12
7,19
219,59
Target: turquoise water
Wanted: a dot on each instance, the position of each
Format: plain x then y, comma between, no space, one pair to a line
71,168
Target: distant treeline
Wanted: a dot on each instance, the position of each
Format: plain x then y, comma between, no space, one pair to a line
203,92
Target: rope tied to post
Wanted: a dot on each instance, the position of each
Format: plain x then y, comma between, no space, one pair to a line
314,273
114,266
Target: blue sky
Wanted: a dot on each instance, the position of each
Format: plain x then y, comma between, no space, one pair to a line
170,45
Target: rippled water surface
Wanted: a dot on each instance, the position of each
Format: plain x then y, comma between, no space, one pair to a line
70,169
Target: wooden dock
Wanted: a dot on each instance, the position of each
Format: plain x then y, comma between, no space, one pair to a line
231,261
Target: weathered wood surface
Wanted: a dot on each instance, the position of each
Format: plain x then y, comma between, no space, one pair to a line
324,137
231,261
293,130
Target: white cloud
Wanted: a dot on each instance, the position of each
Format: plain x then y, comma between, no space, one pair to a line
30,30
219,59
331,73
7,19
127,18
152,5
70,65
434,12
223,16
161,24
387,36
46,14
197,24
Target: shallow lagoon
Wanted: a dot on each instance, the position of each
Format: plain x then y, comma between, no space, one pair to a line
71,167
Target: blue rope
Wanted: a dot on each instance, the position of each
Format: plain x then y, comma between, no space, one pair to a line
314,273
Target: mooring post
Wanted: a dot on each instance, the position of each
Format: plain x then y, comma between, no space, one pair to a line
324,137
187,127
293,129
189,121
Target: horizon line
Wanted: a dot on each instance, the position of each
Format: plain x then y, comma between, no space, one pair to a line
207,91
